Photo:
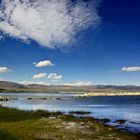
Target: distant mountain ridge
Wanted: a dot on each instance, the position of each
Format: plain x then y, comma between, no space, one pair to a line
6,86
9,85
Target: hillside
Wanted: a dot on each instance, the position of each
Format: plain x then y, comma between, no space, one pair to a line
6,86
11,86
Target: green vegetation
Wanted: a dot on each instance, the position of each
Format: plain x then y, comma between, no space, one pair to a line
6,90
44,125
80,112
105,120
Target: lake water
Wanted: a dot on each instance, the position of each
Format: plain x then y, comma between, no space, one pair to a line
114,108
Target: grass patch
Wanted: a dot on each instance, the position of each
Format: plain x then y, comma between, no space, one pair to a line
10,115
5,136
41,113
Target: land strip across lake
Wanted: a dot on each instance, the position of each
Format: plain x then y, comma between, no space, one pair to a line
109,93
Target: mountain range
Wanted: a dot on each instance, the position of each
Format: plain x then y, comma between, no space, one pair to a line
6,86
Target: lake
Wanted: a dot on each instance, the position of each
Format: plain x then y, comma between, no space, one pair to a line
112,107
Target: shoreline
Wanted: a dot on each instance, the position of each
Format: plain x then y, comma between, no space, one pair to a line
117,93
86,127
83,94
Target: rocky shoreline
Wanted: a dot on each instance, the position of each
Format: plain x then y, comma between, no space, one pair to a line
40,124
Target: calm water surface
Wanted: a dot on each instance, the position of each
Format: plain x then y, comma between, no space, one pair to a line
124,107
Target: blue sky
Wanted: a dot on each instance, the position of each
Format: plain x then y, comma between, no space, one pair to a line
101,48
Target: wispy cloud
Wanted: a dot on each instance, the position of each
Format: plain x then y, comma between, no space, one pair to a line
51,23
131,69
79,83
4,70
43,63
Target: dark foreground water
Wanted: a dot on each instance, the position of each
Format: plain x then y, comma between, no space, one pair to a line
114,108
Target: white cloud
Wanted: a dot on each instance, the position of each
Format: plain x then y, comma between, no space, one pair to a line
32,82
43,63
79,83
54,76
4,69
51,23
131,69
39,75
51,76
26,82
